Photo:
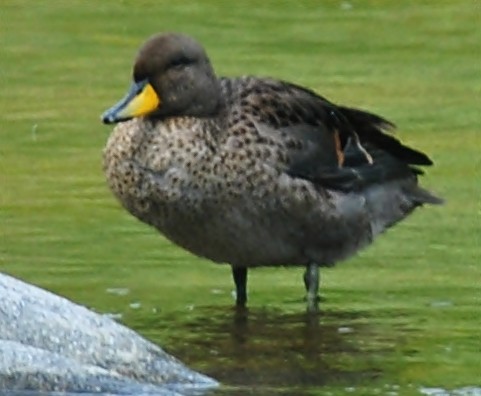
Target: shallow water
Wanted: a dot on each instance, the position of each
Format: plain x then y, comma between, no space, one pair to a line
265,351
271,349
268,351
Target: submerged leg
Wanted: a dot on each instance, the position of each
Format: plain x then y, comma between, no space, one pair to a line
311,281
240,279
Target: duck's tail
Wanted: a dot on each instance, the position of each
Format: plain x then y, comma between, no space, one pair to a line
392,202
421,196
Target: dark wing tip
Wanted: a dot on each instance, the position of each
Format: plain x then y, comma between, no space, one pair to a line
373,128
415,157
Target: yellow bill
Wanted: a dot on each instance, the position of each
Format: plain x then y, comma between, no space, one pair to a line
140,100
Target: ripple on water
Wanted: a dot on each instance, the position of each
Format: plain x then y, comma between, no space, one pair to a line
278,352
465,391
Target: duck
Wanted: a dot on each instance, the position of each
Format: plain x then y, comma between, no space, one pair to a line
254,171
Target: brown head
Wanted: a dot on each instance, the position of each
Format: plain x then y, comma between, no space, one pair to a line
172,77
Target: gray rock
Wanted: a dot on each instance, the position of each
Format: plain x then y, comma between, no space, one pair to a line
51,344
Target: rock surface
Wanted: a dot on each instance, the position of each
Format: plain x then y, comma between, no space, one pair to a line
48,343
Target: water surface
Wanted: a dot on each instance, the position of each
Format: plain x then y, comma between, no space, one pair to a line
269,352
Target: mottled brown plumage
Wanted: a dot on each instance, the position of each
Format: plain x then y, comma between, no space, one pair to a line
254,171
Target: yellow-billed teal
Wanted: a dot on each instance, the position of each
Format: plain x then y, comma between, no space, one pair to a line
254,171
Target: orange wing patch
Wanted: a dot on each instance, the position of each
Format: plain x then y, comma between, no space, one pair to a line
339,153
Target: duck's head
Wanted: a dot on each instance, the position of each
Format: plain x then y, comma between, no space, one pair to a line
172,76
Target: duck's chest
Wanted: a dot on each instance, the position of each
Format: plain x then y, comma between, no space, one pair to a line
170,174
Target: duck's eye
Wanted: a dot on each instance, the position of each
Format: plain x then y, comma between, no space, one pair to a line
179,61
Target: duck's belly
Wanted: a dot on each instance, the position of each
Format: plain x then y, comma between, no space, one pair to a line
237,236
263,229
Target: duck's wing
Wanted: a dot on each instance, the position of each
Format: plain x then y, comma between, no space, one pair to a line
312,154
332,146
356,174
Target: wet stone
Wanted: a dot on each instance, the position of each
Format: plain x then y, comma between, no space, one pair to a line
50,344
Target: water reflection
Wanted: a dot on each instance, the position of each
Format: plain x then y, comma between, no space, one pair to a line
272,349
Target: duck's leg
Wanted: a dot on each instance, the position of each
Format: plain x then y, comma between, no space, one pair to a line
311,281
240,279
